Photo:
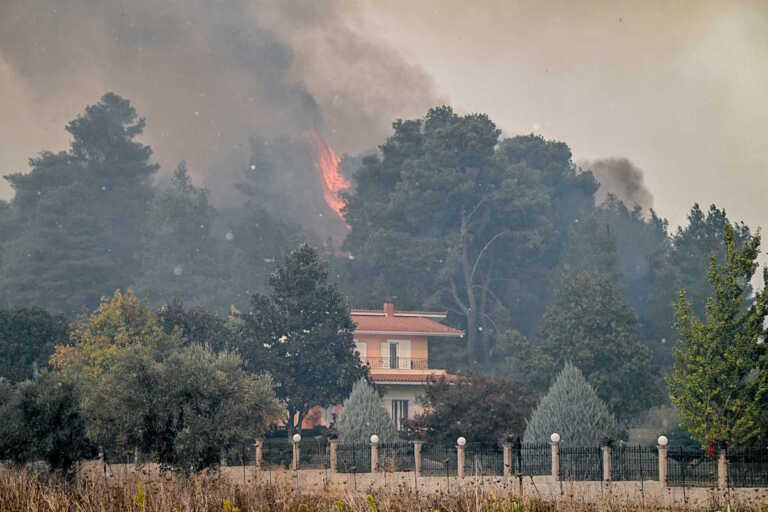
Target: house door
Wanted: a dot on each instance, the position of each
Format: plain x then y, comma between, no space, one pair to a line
393,356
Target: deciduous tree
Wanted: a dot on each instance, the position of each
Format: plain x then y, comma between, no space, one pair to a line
720,377
481,409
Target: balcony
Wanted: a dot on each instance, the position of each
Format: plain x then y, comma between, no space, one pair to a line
396,363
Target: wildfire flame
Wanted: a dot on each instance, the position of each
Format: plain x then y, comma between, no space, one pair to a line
327,162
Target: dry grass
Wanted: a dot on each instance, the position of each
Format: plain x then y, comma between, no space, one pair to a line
23,492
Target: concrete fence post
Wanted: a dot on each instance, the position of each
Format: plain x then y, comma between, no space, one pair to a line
259,453
374,453
507,460
417,456
135,457
722,469
460,444
555,439
296,452
334,455
662,446
102,461
606,463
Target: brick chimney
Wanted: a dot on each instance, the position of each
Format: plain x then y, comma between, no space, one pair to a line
389,308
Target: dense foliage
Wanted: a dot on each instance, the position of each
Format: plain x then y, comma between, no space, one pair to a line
140,387
302,332
27,338
41,420
482,409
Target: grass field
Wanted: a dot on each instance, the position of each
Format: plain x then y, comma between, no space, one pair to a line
23,492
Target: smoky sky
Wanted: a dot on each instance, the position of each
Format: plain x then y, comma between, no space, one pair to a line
206,74
677,88
621,178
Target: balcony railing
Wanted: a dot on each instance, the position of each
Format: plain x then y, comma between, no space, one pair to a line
397,363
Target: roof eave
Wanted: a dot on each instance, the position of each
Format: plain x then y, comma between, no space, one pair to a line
458,334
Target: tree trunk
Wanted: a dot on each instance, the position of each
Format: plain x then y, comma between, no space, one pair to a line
473,348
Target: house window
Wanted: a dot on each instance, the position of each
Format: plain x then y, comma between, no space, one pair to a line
399,412
395,354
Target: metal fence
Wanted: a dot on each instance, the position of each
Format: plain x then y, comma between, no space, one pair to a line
438,460
314,454
277,452
636,463
691,468
532,459
483,460
581,463
396,456
747,467
353,458
240,455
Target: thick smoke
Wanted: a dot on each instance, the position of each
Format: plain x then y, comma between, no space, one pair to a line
622,178
207,74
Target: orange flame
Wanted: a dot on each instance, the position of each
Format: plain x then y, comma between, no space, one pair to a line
327,162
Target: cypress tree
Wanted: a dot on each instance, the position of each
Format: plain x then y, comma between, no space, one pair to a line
572,409
364,414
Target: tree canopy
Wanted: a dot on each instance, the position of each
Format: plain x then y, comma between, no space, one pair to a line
482,409
141,387
80,213
302,333
27,340
720,377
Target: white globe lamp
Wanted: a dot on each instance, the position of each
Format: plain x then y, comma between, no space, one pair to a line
555,437
374,439
663,441
296,438
461,441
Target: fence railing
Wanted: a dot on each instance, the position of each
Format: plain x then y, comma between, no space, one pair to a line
483,460
534,459
354,458
397,363
748,467
277,453
691,468
635,463
438,460
679,467
397,456
315,454
581,463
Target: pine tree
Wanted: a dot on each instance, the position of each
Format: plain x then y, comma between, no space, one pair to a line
572,409
364,414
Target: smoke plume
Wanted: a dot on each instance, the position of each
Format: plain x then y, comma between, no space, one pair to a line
622,178
206,74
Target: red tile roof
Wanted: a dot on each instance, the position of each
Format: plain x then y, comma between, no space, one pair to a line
399,377
389,321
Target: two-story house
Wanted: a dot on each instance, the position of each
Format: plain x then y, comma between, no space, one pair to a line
395,346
